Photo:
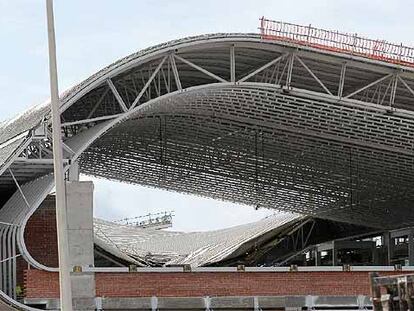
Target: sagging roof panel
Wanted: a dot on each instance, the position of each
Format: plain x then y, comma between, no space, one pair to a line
159,247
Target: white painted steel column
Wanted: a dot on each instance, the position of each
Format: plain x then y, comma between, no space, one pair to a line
64,261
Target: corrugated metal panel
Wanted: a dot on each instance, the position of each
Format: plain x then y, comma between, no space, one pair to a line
35,192
8,149
23,122
33,116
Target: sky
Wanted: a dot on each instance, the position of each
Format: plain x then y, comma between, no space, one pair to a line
94,33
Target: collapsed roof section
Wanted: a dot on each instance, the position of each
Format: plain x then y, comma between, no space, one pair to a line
149,247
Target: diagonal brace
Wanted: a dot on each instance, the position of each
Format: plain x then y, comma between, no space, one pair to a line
151,78
313,75
406,85
100,100
19,188
175,72
276,60
117,96
10,258
208,73
369,85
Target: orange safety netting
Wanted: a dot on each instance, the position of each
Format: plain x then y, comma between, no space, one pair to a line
336,41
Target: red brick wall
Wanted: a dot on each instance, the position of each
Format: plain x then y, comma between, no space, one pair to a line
40,234
41,242
21,265
232,284
40,237
40,284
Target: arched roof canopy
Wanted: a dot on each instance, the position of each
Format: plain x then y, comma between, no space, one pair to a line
236,117
260,122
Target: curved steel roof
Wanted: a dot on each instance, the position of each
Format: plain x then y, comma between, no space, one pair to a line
235,117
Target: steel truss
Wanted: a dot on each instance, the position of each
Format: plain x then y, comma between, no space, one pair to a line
264,128
236,118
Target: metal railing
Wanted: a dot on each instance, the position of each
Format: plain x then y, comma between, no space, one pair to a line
159,220
337,41
241,268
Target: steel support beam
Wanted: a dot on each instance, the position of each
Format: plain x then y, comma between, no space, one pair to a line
117,95
369,85
167,84
273,62
98,103
232,64
10,258
208,73
406,85
37,161
19,188
175,72
89,120
342,80
148,83
313,75
393,90
411,247
290,70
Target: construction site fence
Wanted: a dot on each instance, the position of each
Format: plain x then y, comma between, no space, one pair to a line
337,41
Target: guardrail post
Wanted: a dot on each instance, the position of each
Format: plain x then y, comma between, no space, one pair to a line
402,293
256,303
375,292
98,303
154,303
308,35
410,294
361,302
310,302
207,303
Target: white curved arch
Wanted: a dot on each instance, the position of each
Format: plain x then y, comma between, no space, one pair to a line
79,144
82,141
15,305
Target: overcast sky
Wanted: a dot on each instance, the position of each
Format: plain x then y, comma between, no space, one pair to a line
94,33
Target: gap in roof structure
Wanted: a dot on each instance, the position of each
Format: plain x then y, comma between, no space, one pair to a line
116,201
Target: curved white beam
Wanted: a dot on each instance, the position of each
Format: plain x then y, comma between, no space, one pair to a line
82,141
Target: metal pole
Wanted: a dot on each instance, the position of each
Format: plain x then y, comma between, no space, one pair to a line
63,247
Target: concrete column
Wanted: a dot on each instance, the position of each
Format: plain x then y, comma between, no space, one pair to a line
388,245
334,254
375,257
74,171
411,247
317,257
79,209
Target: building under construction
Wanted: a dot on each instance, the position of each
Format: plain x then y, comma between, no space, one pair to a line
313,123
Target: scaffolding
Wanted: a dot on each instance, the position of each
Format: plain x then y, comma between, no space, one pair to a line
158,221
